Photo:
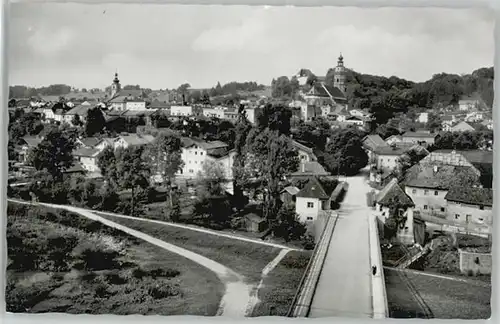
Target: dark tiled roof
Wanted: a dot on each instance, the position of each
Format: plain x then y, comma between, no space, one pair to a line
302,147
373,141
391,150
80,110
86,152
393,192
423,175
333,91
159,105
90,141
32,141
473,196
473,156
135,139
312,168
313,189
419,134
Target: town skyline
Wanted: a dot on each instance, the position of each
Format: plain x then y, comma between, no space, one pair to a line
87,44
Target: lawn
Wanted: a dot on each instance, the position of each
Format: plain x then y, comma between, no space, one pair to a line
281,284
61,262
446,299
247,259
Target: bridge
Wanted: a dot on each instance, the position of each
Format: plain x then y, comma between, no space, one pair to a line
345,276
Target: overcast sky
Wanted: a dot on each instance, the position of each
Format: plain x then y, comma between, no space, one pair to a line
162,46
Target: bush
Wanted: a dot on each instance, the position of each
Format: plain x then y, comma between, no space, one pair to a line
165,273
163,291
94,258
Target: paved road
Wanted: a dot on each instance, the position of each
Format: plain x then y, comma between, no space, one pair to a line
344,287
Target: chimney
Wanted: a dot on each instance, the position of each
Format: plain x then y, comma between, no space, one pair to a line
303,167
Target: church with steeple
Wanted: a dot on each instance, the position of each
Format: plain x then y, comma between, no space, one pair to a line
327,99
129,99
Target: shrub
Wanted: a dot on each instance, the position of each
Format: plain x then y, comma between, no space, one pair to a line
95,258
166,273
163,291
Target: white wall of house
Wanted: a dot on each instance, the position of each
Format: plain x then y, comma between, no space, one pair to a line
118,106
193,158
181,110
465,105
58,117
102,145
120,143
428,200
213,112
464,214
423,117
89,163
135,105
307,209
387,162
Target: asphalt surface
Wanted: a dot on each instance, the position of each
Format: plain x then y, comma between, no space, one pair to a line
344,287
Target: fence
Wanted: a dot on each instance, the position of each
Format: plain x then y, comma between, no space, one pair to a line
475,263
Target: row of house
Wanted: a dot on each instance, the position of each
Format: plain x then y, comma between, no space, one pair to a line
444,188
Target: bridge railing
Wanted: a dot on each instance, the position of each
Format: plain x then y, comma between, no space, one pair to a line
379,293
295,309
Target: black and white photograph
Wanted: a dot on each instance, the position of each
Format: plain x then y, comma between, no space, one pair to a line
249,161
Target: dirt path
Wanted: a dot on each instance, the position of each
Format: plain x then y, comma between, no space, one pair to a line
237,296
254,297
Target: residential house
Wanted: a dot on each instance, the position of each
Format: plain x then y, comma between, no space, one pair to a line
214,112
427,184
423,117
474,116
59,115
469,103
488,124
27,144
231,114
308,169
306,154
471,207
181,111
105,142
314,198
159,105
419,137
124,102
386,157
145,115
252,114
196,152
446,123
371,142
309,112
81,111
88,158
394,139
356,121
393,199
289,194
462,127
482,161
129,140
88,142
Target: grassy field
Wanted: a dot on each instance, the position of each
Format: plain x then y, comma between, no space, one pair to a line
446,299
247,259
60,262
281,284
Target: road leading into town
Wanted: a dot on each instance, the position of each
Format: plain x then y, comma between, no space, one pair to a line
344,286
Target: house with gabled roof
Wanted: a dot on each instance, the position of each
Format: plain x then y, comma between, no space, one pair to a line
322,94
88,142
462,126
129,140
469,206
306,154
196,152
393,199
87,158
419,137
314,197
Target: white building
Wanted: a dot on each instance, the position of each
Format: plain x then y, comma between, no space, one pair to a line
312,200
126,141
181,111
88,158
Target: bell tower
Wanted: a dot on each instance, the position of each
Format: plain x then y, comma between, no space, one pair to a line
339,75
115,86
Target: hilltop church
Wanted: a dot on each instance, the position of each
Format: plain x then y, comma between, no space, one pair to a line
327,100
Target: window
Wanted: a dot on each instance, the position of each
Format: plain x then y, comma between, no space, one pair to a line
380,208
457,216
406,229
481,207
310,205
201,153
426,192
414,191
436,193
443,209
195,162
309,218
480,220
191,171
425,207
195,152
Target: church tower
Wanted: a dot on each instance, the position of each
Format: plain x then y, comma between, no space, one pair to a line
339,75
115,86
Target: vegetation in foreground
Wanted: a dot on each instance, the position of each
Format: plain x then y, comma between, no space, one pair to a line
61,262
247,259
281,284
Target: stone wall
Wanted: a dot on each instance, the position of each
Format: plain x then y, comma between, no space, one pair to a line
477,263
